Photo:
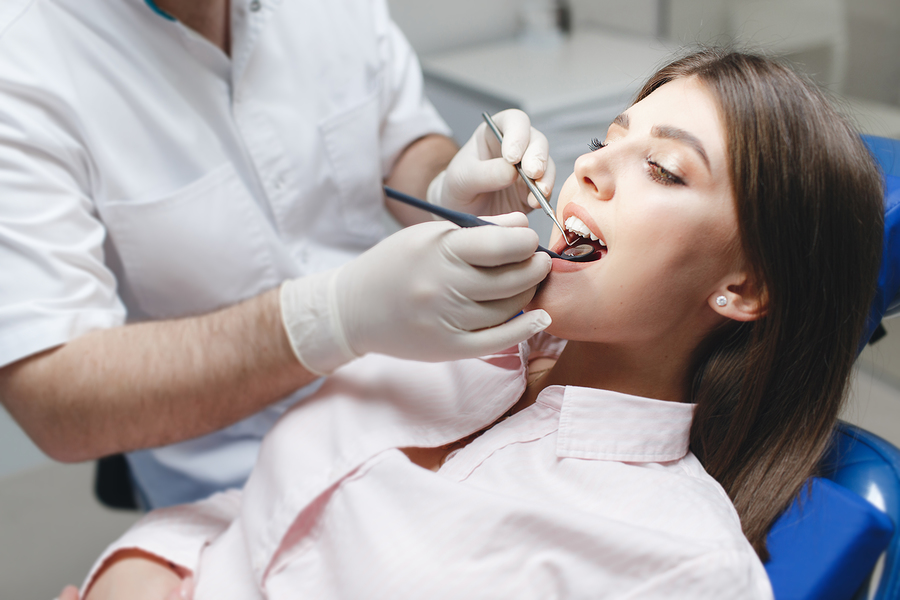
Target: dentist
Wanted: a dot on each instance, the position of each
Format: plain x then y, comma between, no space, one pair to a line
191,224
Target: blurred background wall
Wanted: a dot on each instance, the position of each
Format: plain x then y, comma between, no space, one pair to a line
867,30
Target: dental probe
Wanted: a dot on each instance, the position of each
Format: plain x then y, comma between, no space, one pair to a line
580,253
532,187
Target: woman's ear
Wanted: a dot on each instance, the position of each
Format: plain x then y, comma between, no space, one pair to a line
739,298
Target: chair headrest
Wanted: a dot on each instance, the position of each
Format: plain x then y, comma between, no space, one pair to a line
887,297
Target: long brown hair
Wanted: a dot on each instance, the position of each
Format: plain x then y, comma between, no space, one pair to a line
810,216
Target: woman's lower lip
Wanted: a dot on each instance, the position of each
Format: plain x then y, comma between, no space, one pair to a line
566,266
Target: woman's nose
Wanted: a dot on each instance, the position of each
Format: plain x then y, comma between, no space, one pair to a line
594,175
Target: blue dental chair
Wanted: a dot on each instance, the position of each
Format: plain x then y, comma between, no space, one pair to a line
841,538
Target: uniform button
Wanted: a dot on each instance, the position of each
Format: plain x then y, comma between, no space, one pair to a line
255,5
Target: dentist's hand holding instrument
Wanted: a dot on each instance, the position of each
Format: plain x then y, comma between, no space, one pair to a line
429,292
482,178
432,291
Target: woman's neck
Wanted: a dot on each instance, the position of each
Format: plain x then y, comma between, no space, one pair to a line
209,18
657,372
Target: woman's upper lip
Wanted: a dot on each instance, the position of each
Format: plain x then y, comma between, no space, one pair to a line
581,213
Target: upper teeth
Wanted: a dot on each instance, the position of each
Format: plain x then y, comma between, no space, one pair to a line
576,225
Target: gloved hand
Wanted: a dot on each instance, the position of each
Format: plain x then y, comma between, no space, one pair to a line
481,180
429,292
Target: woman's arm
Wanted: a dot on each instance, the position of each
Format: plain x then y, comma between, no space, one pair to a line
133,574
157,557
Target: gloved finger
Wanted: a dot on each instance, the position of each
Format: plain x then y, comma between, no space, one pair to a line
497,283
491,246
516,129
482,176
513,219
483,144
501,337
545,184
481,315
534,160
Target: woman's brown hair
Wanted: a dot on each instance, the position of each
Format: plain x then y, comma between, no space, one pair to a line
810,217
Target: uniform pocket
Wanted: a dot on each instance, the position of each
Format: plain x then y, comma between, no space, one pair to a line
195,250
352,143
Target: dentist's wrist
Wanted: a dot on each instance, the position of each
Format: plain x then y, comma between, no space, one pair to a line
311,319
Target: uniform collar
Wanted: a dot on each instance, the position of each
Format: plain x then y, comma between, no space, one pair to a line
248,17
604,425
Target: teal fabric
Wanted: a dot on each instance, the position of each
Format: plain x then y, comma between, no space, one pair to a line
158,10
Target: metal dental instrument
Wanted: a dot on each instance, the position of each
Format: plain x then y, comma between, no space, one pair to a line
529,181
581,253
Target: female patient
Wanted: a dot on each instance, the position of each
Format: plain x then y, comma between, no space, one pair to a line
739,221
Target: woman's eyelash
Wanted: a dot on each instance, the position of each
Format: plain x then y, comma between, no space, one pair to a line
662,175
596,144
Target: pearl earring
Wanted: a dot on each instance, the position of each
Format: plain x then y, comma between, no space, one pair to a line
721,300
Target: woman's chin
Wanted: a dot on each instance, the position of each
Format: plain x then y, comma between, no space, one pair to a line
550,296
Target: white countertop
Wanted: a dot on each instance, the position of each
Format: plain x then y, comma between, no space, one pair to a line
588,66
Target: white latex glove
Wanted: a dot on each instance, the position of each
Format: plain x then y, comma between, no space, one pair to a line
482,180
429,292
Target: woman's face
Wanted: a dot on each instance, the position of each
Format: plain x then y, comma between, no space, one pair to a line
659,197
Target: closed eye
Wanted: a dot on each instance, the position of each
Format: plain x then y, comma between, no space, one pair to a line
662,175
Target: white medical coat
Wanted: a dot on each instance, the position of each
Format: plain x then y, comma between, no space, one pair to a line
145,175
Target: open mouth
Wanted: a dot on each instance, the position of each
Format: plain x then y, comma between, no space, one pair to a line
585,242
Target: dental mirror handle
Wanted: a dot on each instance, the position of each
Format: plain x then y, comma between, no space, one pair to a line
532,187
459,218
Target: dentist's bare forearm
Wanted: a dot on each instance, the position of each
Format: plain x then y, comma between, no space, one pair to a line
151,384
417,166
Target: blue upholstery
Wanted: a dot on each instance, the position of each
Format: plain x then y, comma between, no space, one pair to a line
870,466
887,153
826,545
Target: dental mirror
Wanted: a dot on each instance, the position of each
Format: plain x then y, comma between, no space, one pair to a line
579,253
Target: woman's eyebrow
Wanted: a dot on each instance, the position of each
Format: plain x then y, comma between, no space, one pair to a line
673,133
621,121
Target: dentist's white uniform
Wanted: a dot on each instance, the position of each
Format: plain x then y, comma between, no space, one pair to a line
145,175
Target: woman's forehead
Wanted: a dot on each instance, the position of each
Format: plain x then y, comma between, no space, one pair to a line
683,109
